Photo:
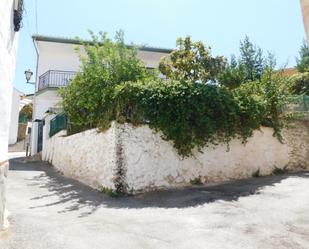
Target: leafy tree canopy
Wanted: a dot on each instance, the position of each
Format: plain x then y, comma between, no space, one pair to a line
105,63
251,57
249,67
26,112
192,61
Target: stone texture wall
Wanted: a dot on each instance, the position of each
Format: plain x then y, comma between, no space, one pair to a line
8,46
153,163
297,139
89,157
137,159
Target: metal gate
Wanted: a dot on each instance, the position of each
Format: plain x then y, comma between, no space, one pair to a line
40,135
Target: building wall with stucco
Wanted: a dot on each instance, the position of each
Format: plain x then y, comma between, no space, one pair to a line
8,48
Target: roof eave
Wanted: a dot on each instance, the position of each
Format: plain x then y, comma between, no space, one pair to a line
80,42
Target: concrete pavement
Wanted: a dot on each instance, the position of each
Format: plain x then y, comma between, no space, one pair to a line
50,211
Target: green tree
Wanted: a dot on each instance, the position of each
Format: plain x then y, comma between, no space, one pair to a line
192,61
233,75
25,113
88,100
249,67
251,57
303,60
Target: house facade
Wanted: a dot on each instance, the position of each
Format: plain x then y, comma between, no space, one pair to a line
10,16
57,64
15,108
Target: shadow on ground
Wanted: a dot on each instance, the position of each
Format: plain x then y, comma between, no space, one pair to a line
77,195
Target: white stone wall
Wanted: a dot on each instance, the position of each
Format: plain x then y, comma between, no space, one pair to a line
148,162
89,156
8,46
153,163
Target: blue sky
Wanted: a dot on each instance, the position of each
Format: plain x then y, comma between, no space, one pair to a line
274,25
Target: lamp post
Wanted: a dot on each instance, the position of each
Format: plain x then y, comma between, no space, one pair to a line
28,74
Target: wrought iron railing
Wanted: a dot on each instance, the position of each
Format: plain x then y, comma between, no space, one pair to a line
55,78
57,124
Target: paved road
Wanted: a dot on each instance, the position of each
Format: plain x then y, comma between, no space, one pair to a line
49,211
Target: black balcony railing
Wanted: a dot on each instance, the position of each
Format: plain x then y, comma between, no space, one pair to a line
55,78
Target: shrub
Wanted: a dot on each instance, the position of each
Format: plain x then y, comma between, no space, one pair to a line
88,99
234,74
25,113
279,171
114,85
256,173
299,84
271,92
188,113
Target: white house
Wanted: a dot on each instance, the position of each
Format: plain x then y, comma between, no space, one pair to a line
15,108
57,63
10,16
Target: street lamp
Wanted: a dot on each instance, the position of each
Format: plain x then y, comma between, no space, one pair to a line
28,74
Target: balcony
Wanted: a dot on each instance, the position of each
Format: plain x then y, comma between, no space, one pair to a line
55,79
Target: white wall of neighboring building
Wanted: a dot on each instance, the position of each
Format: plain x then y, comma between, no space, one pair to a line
64,57
56,56
44,100
8,48
14,116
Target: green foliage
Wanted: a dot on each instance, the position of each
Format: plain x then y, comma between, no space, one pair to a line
190,114
256,174
25,113
191,61
252,59
196,181
299,84
270,91
250,66
88,99
109,192
233,75
303,60
114,85
279,171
